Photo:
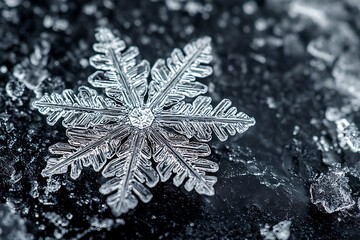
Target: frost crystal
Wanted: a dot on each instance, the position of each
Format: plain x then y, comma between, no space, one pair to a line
140,123
332,192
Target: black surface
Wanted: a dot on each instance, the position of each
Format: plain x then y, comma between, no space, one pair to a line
248,195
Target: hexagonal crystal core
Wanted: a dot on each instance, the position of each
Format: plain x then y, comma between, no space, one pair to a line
141,117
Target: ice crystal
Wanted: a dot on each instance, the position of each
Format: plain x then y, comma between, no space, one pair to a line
138,123
331,191
280,231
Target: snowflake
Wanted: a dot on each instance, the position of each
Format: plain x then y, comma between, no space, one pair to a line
138,123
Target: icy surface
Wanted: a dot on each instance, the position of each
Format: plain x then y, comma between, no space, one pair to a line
268,58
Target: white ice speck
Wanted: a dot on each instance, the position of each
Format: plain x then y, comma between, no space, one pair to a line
280,231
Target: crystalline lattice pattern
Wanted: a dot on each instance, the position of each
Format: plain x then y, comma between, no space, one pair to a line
139,134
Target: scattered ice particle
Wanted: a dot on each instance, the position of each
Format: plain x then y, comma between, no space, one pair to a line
211,87
306,9
173,5
84,63
347,73
189,29
331,191
145,40
250,7
260,24
99,224
34,192
9,127
271,103
280,231
258,57
89,9
56,24
348,134
296,130
32,71
48,21
69,216
3,69
333,114
14,89
193,8
61,25
56,219
293,45
53,185
13,3
323,49
258,43
15,177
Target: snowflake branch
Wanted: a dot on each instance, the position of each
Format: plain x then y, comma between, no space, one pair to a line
85,109
132,168
200,119
123,79
203,184
178,75
132,97
73,154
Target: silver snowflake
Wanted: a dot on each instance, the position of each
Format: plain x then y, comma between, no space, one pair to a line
138,122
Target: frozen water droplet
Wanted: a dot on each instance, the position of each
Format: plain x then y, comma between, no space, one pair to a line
14,89
250,7
173,5
271,103
3,69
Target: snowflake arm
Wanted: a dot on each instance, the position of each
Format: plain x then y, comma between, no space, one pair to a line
83,110
174,79
174,153
200,119
123,79
129,171
86,147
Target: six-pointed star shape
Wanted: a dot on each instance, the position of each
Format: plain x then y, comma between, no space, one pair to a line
140,132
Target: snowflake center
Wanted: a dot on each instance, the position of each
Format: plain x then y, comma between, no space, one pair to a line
141,117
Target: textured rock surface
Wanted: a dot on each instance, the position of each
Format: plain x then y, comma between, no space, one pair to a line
281,62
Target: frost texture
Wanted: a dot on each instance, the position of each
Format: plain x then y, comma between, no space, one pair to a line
139,134
332,192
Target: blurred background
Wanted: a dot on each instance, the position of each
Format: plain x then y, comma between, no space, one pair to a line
293,65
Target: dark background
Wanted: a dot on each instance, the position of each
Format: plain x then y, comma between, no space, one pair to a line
264,61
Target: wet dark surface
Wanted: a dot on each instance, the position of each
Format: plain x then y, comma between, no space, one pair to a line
276,60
